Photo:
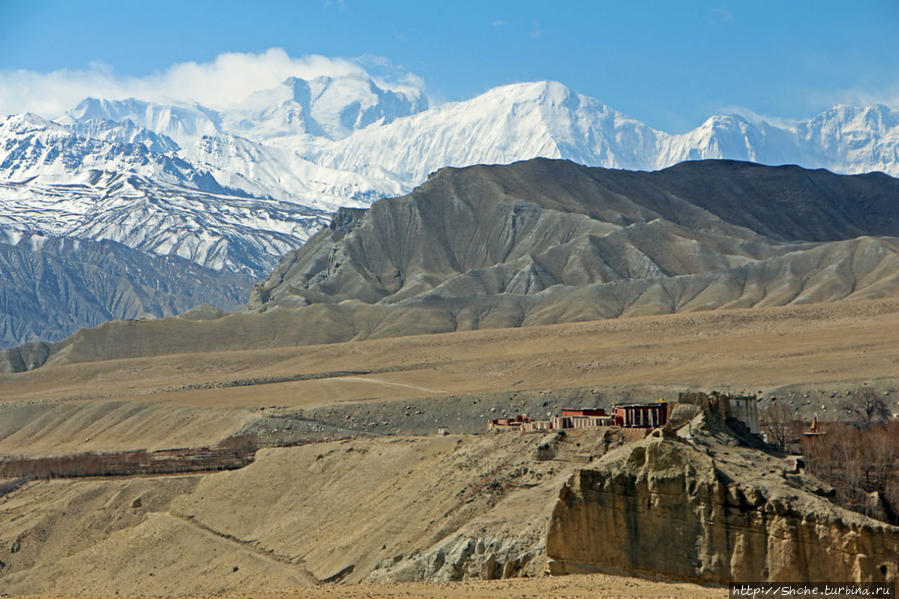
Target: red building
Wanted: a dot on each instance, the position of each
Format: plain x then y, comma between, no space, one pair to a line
629,416
508,423
570,413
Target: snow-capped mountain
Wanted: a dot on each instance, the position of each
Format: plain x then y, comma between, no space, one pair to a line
180,122
547,119
505,124
843,139
123,132
852,139
327,107
233,188
36,149
217,230
269,170
129,185
323,107
257,146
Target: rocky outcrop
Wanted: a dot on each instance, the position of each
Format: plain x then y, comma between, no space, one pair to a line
25,357
128,463
678,508
463,557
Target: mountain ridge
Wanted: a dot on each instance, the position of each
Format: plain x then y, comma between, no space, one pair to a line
549,241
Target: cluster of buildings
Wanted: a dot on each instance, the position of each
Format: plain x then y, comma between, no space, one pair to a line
646,415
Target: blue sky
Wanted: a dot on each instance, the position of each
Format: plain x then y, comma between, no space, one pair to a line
669,64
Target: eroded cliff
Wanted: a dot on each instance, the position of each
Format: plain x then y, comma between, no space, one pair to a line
691,507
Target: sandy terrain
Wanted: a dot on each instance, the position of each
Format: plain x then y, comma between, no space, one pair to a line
589,586
294,517
164,401
807,344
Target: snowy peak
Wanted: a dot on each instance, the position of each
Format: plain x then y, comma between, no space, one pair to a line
527,91
505,124
589,132
28,123
123,132
322,107
36,149
877,117
843,139
720,136
270,171
181,123
345,104
852,139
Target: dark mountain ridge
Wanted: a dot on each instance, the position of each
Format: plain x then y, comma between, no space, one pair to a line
522,228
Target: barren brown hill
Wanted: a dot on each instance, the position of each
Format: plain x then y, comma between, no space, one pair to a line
699,235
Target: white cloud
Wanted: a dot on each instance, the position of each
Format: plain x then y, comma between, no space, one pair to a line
227,80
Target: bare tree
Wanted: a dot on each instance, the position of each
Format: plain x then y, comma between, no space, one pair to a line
866,409
777,422
858,463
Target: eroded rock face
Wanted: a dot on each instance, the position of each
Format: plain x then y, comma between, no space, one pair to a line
463,557
665,507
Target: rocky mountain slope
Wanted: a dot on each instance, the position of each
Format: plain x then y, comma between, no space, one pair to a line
548,241
221,231
50,287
